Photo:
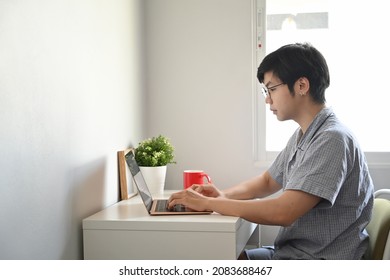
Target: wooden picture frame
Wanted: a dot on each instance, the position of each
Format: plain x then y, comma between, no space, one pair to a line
126,185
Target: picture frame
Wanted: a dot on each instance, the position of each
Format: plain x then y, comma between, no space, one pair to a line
126,185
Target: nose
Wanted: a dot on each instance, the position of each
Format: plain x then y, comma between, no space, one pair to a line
268,99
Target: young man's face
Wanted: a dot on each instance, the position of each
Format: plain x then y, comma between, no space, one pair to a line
279,98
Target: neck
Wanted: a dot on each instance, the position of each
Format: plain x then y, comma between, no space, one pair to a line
306,117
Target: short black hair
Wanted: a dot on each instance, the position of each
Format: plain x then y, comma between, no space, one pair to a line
295,61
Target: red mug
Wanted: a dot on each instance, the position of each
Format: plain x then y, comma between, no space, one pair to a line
191,177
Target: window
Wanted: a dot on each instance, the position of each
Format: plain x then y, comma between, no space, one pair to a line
351,36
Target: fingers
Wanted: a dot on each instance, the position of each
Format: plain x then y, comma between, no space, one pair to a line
173,199
181,197
197,188
202,188
209,190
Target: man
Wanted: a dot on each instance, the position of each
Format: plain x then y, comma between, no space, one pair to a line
326,194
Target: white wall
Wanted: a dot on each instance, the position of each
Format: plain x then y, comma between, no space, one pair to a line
70,97
199,82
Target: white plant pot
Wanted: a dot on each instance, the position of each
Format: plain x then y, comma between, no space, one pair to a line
154,178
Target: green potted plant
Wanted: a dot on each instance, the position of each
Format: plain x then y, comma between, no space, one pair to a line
153,155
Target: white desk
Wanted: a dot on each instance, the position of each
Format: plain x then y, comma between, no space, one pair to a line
126,231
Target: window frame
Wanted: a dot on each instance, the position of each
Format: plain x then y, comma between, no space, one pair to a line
263,158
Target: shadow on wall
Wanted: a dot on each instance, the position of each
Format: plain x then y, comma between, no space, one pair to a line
86,198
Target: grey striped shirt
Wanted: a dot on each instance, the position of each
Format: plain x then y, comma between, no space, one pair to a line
327,162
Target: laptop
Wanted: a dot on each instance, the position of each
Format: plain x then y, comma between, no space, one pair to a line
154,206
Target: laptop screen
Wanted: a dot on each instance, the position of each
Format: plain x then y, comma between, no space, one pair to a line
139,180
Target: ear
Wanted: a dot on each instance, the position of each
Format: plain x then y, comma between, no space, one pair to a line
302,86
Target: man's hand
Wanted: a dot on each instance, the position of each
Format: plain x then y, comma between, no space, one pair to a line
191,199
207,190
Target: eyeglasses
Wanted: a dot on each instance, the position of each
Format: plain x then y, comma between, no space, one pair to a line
266,90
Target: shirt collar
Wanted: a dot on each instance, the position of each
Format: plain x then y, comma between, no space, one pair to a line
319,119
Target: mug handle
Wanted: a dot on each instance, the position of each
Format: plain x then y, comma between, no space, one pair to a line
207,177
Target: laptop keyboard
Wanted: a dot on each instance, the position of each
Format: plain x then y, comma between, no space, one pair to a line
162,207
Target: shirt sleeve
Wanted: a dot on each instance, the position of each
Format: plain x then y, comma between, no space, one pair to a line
277,168
323,167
